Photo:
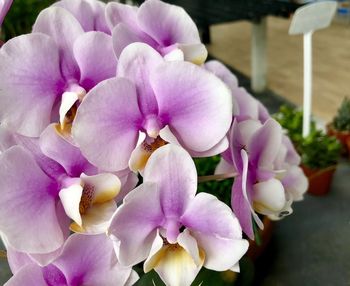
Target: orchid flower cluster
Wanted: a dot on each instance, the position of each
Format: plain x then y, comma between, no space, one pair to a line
102,109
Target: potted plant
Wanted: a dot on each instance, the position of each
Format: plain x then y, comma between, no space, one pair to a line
319,152
340,126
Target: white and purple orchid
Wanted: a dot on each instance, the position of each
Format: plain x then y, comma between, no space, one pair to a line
164,222
45,74
83,260
166,28
177,101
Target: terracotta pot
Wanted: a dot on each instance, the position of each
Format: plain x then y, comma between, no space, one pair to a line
342,136
254,250
319,179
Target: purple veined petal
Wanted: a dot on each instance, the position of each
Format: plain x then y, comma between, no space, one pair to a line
174,172
222,72
123,36
54,146
195,104
295,183
129,181
94,54
265,144
136,62
29,275
90,260
135,223
25,186
81,10
4,8
29,84
269,197
198,216
7,139
117,13
111,111
167,24
61,25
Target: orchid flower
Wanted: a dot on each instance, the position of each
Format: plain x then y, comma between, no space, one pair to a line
84,260
44,75
4,8
176,231
49,180
89,13
154,102
167,28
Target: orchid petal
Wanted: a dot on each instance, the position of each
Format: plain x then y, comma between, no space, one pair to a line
94,54
16,259
68,100
295,183
135,63
167,24
111,111
187,93
33,194
173,263
177,184
224,167
64,29
174,55
106,186
90,260
268,196
135,223
70,198
29,275
4,8
81,10
222,72
194,53
117,13
57,148
264,145
29,84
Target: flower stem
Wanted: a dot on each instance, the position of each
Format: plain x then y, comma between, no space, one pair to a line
202,179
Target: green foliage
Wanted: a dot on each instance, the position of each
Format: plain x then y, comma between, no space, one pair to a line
21,17
317,150
220,189
342,121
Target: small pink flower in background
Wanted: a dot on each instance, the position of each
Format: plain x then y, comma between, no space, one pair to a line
4,8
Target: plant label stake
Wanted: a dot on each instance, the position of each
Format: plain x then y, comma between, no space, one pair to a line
306,20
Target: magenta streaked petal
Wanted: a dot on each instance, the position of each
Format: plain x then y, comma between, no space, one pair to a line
24,186
61,26
167,24
94,54
136,62
195,104
107,124
81,10
135,223
29,83
174,172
